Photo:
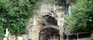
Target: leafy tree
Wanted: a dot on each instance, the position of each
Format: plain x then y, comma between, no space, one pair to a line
14,15
81,18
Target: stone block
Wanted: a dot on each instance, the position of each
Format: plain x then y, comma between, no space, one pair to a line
20,38
25,36
12,37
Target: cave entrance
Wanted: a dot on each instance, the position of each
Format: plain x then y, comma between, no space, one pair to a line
49,33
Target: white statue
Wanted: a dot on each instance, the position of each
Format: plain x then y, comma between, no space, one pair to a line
7,32
6,35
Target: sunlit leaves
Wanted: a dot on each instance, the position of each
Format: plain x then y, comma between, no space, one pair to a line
14,15
82,16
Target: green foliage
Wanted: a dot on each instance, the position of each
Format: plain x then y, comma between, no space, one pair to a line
1,32
7,38
81,18
48,2
14,15
1,39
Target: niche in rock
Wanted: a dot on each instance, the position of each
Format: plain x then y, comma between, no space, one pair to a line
51,20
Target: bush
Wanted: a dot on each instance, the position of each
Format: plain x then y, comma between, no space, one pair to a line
81,18
14,15
1,32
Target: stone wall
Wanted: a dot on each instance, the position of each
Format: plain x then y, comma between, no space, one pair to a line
13,37
25,37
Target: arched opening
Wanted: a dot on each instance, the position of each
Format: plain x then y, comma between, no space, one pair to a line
49,33
50,20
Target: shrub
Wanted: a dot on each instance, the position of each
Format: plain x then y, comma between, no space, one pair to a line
14,15
81,18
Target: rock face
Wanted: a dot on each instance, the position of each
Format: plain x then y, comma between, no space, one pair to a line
49,15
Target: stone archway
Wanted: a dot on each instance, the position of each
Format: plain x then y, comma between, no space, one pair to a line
49,15
49,33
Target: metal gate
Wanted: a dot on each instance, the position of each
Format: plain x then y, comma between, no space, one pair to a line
49,34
